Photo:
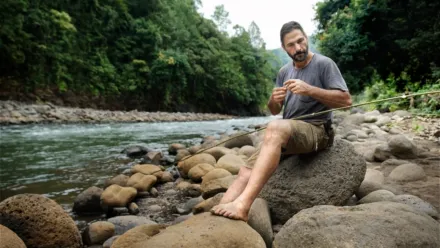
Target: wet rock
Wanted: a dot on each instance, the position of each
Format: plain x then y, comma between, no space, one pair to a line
88,202
146,169
142,182
172,149
135,151
39,221
182,153
153,157
189,205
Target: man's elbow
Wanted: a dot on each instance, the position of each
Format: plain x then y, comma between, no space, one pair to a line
348,101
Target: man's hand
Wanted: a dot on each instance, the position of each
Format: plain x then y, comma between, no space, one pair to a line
298,86
278,94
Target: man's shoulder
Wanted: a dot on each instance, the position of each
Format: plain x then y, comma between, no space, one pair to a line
322,59
285,68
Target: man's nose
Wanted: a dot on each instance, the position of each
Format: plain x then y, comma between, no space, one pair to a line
297,47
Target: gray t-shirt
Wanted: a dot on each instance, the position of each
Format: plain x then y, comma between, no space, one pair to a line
321,72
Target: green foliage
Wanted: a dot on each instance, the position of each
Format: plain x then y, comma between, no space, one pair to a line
150,55
379,38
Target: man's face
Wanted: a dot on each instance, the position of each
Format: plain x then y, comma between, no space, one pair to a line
295,44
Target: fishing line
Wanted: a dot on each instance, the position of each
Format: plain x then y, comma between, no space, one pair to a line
315,114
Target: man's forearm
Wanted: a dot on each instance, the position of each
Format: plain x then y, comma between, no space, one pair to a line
275,108
331,98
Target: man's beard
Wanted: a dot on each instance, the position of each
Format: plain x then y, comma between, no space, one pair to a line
300,56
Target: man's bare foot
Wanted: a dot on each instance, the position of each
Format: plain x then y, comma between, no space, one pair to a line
232,210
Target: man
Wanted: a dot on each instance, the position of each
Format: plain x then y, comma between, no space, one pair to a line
311,83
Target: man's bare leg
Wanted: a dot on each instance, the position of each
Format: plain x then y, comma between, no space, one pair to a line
277,134
237,186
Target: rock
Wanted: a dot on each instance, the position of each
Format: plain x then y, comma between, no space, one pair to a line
146,169
407,173
116,211
166,177
370,119
215,174
374,176
9,239
247,151
117,196
328,177
388,165
189,205
377,196
206,205
142,182
133,208
401,147
197,172
125,223
352,138
418,204
189,189
136,235
135,151
238,141
120,180
231,163
383,120
205,230
109,242
153,157
98,232
380,224
402,113
172,149
153,192
259,220
182,218
39,221
186,165
219,151
182,153
382,153
370,186
88,202
194,149
354,119
216,186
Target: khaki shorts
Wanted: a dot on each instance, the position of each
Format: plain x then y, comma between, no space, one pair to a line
305,138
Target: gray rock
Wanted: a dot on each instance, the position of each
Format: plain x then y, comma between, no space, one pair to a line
189,205
259,220
133,208
380,224
401,147
377,196
108,243
98,232
125,223
135,151
418,204
407,173
328,177
239,141
382,153
383,120
88,202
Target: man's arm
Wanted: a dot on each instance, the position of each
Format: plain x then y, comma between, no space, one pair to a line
274,107
331,98
276,100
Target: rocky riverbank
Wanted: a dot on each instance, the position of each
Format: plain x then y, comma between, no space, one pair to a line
19,113
382,174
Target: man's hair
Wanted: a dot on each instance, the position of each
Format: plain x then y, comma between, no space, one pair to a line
289,27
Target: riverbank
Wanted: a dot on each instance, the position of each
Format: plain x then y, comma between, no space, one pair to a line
13,113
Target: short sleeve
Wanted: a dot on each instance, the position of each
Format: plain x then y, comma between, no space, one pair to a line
332,77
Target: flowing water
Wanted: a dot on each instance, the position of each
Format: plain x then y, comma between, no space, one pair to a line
60,161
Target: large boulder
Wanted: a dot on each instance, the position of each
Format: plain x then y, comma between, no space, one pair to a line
208,231
142,182
259,220
329,177
379,224
39,222
8,239
231,163
407,173
402,147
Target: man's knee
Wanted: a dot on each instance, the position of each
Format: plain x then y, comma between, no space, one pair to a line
279,129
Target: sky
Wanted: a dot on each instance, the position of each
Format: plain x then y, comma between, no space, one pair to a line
269,15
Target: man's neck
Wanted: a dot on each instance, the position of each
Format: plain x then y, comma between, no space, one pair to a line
300,65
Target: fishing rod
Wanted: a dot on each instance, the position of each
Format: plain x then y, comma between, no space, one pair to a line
316,114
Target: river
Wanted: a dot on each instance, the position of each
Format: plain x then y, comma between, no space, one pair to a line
60,161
